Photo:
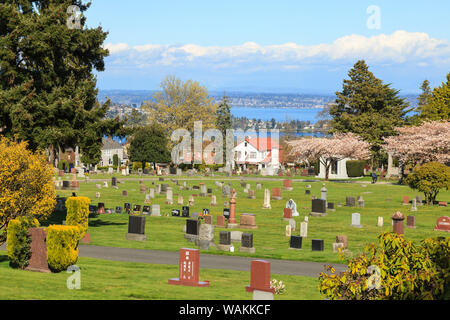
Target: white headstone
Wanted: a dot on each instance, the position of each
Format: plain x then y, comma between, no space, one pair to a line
288,231
266,204
380,221
304,229
356,220
156,210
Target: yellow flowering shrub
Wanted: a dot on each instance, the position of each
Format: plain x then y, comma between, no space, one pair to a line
18,241
26,185
62,246
78,213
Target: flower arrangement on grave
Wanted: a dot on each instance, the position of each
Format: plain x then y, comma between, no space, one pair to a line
279,286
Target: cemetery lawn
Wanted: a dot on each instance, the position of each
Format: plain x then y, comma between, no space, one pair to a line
166,233
111,280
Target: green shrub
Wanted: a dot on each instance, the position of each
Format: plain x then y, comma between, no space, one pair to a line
78,213
115,160
18,241
430,178
62,246
62,163
403,271
355,168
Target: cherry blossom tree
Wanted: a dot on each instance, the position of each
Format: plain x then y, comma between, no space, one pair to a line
327,150
420,144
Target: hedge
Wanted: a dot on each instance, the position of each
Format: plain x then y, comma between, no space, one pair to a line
355,168
78,213
18,241
62,246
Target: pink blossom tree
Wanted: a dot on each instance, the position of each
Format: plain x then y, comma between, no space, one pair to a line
420,144
327,150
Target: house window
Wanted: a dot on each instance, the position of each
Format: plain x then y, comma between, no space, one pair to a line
252,155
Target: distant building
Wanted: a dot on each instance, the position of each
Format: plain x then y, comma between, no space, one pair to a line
109,149
262,153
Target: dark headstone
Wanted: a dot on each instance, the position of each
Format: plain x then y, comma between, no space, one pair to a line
137,208
113,181
205,212
296,242
127,207
308,192
350,202
225,237
175,213
226,213
146,210
319,206
92,209
192,226
317,245
247,240
136,225
185,212
118,209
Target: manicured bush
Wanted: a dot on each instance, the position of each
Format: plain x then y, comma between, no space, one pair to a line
355,168
403,271
18,241
115,160
62,246
430,178
78,213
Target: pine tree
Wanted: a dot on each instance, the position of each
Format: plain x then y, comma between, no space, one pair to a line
367,107
437,106
48,92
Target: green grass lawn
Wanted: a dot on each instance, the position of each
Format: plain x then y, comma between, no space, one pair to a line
110,280
165,233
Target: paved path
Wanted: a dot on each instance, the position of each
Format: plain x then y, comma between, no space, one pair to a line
207,261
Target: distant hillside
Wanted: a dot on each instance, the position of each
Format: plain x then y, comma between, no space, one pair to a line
237,99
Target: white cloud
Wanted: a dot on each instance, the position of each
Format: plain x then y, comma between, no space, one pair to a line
399,47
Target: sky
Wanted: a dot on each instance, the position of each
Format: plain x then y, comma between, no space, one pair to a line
272,46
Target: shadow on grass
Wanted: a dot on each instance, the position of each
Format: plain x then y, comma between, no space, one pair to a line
57,217
100,223
4,258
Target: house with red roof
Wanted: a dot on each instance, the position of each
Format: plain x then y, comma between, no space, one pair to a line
261,153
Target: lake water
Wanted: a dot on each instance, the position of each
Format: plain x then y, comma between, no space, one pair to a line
279,114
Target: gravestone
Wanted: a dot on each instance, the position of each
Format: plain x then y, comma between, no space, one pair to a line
293,224
146,210
323,193
180,201
136,228
304,229
192,229
101,208
276,194
169,196
338,246
158,189
236,236
189,269
119,210
127,207
342,239
147,199
202,190
185,212
175,213
260,281
319,208
224,241
406,201
226,213
350,202
287,214
226,191
114,181
356,220
251,194
97,195
38,247
125,193
156,210
208,219
419,201
288,231
443,224
213,202
287,185
293,206
397,222
414,205
164,188
137,209
247,243
258,186
360,202
92,209
317,244
205,237
266,204
248,221
220,222
411,221
191,202
295,243
330,207
380,222
307,192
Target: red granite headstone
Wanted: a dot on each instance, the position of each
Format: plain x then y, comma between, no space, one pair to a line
86,238
221,221
287,213
405,200
442,204
342,239
75,184
60,173
38,261
208,219
443,224
260,277
189,269
73,171
287,184
276,193
248,221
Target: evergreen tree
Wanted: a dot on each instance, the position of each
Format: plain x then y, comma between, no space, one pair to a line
437,106
149,144
48,93
368,108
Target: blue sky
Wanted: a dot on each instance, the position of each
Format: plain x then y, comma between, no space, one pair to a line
272,46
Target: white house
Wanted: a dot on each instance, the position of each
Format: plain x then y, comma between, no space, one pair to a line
264,153
109,149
